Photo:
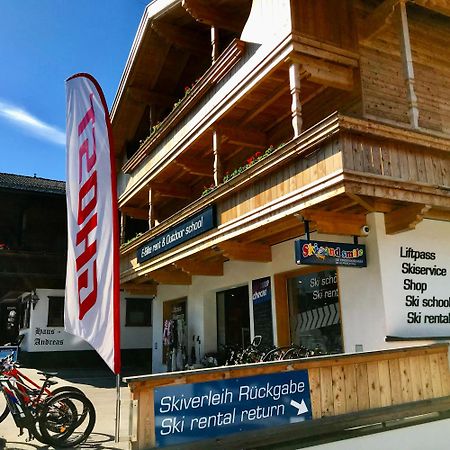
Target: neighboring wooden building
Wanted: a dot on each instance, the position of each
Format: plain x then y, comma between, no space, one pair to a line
32,240
241,126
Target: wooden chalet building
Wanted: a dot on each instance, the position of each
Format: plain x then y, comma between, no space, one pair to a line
243,126
32,241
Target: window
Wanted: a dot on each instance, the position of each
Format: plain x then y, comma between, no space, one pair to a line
55,312
314,311
138,312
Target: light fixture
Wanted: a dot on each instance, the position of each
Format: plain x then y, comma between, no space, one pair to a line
34,298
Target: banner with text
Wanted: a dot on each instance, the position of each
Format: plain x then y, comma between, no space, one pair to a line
182,232
92,282
192,412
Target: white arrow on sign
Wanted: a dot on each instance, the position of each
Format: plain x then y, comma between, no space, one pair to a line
302,408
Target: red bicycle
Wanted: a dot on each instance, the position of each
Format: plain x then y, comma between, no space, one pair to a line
32,393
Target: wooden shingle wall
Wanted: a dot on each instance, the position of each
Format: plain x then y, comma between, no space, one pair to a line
430,38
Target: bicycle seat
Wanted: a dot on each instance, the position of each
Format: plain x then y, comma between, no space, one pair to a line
49,383
48,374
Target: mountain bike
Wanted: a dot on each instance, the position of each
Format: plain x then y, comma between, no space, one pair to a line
32,392
62,420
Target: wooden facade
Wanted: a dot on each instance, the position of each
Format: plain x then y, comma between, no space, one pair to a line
279,113
355,111
339,386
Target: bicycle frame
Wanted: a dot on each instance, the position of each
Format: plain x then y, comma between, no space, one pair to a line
16,404
25,385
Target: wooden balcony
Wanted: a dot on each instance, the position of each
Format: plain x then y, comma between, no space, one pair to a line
345,390
332,174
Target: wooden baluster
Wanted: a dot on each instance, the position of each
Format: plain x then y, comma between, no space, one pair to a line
296,107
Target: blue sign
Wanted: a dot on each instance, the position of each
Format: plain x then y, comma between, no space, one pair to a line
330,253
7,350
192,412
184,231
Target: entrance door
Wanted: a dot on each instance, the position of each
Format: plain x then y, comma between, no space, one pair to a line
233,317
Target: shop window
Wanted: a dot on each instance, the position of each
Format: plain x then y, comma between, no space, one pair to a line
314,314
175,338
138,312
55,312
233,317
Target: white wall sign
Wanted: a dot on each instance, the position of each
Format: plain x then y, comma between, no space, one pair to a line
417,288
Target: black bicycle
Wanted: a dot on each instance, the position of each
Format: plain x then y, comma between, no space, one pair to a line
63,420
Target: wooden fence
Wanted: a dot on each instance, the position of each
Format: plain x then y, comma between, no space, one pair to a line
342,385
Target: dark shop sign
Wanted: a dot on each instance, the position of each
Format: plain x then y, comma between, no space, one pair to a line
183,232
192,412
330,253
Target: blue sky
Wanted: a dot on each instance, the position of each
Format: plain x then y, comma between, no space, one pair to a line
43,42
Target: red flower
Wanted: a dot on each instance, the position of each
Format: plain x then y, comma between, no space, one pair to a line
257,154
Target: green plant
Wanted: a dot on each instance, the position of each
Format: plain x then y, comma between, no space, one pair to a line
250,161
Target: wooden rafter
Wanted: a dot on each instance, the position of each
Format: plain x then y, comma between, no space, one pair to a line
235,250
142,96
438,214
325,72
204,268
195,166
440,6
330,222
140,288
163,276
290,226
236,134
365,203
171,190
275,95
405,219
135,213
378,20
182,37
208,13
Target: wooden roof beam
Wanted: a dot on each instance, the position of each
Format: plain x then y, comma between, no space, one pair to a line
195,166
324,72
182,37
203,268
239,251
142,96
171,190
209,14
378,20
140,288
249,137
163,276
405,219
135,213
440,6
330,222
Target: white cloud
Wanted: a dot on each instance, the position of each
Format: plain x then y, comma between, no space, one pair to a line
31,124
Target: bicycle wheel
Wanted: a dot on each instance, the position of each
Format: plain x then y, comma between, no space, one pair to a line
60,389
67,419
3,407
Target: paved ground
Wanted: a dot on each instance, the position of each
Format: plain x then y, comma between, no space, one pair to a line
100,388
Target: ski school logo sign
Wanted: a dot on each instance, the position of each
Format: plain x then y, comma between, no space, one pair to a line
330,253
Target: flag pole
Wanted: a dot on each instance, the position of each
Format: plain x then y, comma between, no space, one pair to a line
117,432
